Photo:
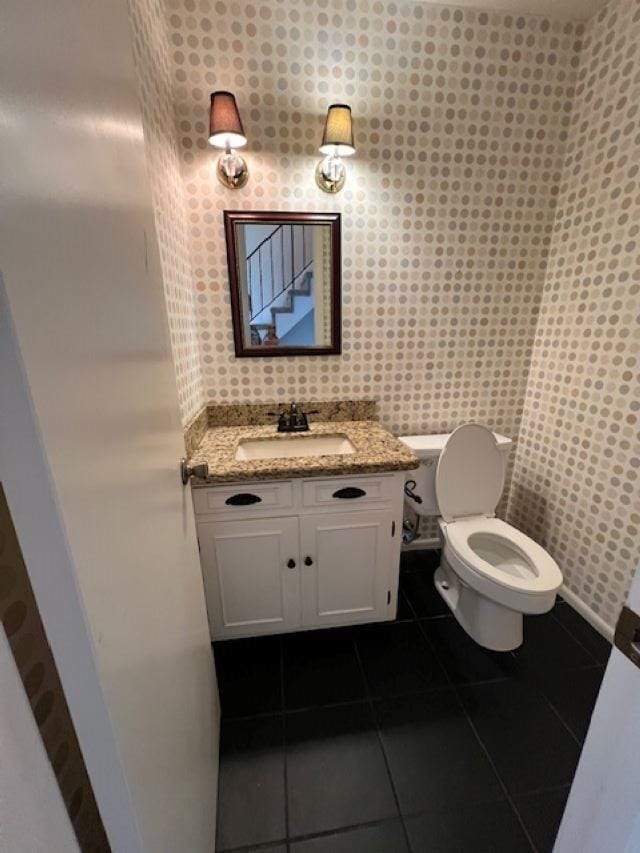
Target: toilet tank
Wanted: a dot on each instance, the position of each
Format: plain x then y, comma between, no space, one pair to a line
428,448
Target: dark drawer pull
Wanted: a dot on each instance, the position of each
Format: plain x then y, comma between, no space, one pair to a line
243,499
349,492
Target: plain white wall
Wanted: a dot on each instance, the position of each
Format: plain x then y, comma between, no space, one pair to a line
33,817
80,265
603,811
26,478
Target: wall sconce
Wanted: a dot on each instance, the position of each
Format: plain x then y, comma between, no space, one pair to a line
226,131
337,142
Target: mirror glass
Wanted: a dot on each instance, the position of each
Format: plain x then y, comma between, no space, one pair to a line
284,273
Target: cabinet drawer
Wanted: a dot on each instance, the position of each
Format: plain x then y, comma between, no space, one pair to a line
348,492
239,499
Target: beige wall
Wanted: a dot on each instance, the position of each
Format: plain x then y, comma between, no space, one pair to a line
460,121
84,289
575,484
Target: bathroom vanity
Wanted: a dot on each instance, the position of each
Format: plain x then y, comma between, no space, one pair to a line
306,539
302,553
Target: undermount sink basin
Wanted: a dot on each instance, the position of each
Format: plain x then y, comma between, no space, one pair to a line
288,448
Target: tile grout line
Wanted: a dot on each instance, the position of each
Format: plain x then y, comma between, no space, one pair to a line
284,745
557,713
324,833
354,701
595,664
573,636
255,848
540,690
342,830
289,712
369,700
508,796
482,745
401,592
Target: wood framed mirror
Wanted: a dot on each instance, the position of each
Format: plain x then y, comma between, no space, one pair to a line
285,281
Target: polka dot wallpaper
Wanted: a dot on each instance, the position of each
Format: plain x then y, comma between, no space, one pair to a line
151,55
494,188
460,123
575,485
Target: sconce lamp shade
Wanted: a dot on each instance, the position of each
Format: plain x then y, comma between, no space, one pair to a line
338,131
225,125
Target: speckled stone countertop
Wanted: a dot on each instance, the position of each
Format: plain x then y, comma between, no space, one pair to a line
261,414
376,451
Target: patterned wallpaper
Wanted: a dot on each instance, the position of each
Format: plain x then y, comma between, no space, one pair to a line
20,618
151,55
460,119
576,473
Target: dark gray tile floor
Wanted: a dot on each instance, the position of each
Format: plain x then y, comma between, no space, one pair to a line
404,737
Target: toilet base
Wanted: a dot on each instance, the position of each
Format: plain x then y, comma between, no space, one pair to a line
491,625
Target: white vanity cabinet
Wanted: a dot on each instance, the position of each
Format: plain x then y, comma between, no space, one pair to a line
294,554
345,567
251,576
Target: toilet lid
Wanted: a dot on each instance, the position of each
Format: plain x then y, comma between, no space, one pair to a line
470,473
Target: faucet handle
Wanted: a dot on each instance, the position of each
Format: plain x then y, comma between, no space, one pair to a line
296,416
282,419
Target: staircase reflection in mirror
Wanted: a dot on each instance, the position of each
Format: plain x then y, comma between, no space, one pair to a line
284,273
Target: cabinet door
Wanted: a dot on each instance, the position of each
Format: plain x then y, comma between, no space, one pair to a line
250,586
345,567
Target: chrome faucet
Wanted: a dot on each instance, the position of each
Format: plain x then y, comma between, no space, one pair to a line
293,420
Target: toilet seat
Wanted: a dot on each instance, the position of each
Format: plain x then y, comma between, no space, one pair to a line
470,473
505,562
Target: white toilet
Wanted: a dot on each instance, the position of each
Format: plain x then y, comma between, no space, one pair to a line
490,573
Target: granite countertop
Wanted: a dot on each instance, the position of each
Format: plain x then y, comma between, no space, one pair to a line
376,451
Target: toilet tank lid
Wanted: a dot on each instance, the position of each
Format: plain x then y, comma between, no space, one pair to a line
431,445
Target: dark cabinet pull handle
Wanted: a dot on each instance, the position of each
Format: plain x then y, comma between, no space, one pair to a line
243,499
308,561
349,492
291,564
